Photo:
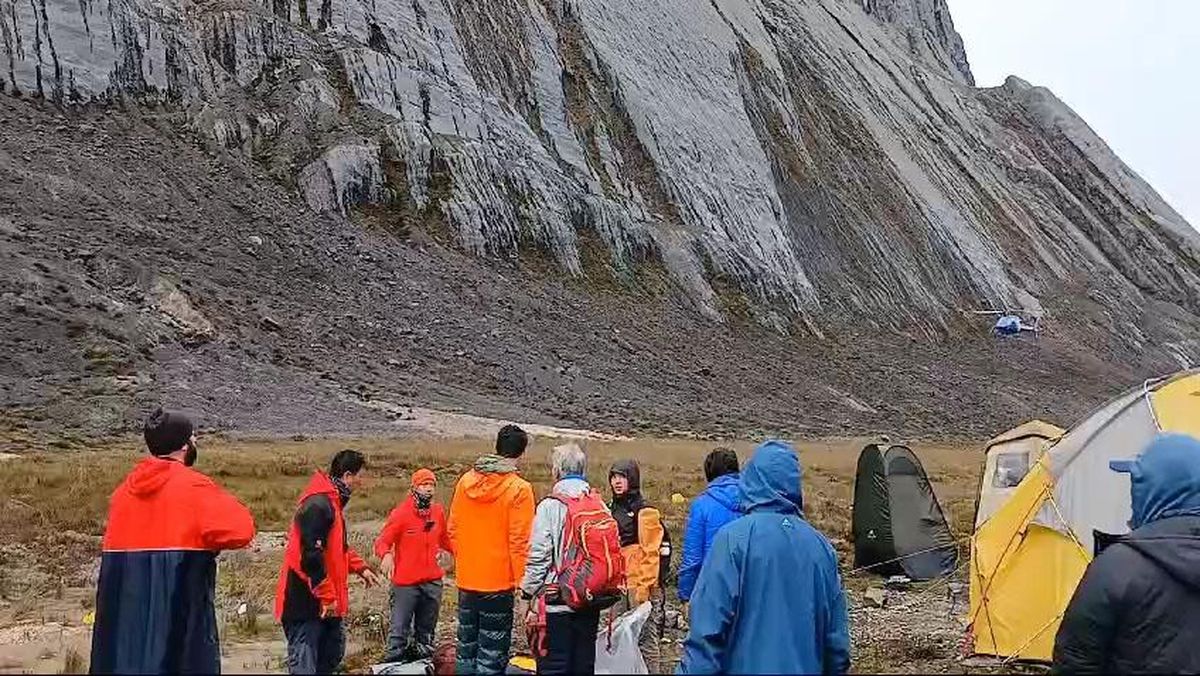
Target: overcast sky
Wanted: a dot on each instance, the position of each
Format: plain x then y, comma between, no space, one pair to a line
1130,68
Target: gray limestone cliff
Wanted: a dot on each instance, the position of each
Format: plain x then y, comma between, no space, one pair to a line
830,160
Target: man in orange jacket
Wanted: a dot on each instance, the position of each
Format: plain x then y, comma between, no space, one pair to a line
413,536
491,516
166,524
313,593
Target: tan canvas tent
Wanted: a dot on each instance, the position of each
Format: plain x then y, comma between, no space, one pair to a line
1009,457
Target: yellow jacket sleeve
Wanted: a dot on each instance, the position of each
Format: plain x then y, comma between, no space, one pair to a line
642,560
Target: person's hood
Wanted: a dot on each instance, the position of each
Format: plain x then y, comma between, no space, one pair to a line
630,470
492,477
1173,544
319,484
1164,480
770,482
150,475
724,489
632,499
495,464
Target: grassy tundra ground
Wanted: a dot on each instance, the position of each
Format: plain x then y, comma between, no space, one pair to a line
52,510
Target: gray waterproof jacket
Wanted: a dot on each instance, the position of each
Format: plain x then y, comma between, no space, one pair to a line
545,542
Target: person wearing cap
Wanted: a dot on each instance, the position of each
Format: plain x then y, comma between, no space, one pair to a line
1137,608
408,547
166,524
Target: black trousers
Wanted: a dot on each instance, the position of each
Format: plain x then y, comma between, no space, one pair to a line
570,643
315,646
485,622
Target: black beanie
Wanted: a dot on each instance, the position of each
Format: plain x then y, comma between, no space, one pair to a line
166,432
720,461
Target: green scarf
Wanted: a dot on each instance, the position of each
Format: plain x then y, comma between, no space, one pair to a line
495,464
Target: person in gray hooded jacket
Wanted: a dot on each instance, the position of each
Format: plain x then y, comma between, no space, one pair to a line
570,639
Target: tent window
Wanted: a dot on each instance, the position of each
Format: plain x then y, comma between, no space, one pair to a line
1010,469
900,465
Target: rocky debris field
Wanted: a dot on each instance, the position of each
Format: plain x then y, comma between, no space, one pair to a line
137,267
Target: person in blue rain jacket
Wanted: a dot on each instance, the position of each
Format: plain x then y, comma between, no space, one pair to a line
777,607
715,507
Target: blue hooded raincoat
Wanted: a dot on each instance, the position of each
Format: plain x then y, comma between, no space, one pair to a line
777,606
716,506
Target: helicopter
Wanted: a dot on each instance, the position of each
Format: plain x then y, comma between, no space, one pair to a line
1013,322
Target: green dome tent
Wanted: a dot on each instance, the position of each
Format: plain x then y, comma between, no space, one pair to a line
898,525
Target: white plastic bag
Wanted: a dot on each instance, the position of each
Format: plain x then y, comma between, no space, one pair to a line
420,667
624,657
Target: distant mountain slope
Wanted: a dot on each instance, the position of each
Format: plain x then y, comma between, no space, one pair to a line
828,157
818,168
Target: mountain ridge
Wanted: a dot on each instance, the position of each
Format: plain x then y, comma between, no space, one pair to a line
824,169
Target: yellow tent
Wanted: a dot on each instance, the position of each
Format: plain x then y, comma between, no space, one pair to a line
1009,457
1028,556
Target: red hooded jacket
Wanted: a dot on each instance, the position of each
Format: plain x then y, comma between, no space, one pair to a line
154,600
317,560
413,545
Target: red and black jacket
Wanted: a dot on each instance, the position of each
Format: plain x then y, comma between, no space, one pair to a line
154,601
317,560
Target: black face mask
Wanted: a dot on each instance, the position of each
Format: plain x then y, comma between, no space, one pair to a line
343,490
422,501
189,458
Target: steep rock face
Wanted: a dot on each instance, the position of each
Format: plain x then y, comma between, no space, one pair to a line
929,31
829,158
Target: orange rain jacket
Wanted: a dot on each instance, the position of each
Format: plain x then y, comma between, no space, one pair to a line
154,599
642,558
491,516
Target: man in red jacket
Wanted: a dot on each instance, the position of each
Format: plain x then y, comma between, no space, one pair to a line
313,593
166,524
409,545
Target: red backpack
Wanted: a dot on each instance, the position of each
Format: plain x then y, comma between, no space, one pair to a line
591,574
